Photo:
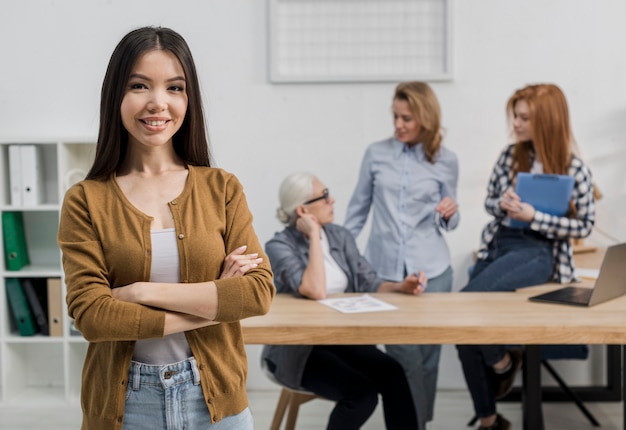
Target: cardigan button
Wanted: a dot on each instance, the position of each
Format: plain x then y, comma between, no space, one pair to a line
174,202
181,236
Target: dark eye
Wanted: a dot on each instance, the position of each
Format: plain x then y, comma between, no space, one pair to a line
177,88
137,86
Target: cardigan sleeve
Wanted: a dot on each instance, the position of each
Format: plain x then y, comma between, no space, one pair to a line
251,294
98,316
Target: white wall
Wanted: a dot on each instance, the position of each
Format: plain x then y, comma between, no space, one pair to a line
54,53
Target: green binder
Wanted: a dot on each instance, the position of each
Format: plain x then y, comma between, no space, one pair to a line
15,249
18,304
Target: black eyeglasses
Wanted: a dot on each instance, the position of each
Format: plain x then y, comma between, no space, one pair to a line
324,196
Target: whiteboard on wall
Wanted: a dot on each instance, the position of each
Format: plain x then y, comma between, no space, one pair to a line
359,40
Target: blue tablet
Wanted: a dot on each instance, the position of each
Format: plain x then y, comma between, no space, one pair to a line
547,193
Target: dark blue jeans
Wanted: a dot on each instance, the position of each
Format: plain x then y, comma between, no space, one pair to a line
517,258
353,376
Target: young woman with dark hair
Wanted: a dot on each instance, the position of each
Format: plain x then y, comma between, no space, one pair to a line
154,246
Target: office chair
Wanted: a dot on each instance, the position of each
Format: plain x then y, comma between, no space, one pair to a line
567,352
288,403
559,352
562,352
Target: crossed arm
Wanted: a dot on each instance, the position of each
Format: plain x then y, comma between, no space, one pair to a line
189,305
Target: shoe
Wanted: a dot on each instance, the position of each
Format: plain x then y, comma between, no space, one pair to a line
504,381
500,424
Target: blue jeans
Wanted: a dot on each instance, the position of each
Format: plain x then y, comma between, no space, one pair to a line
517,258
421,362
169,397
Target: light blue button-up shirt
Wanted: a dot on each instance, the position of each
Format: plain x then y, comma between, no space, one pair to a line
403,189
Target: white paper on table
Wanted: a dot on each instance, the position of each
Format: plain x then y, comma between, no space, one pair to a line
356,304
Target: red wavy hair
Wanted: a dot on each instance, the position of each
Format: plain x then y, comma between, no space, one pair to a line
550,125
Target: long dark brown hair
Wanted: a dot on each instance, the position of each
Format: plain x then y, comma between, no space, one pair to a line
191,143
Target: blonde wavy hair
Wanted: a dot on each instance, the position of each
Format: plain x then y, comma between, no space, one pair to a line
425,107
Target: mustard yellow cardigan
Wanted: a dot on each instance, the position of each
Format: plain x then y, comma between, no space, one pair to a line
105,243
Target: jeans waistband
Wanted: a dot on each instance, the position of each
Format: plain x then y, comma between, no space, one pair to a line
523,233
165,375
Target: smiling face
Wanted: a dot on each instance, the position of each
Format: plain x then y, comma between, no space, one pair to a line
155,101
407,127
521,121
322,209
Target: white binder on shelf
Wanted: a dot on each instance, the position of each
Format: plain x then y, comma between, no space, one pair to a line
31,175
15,174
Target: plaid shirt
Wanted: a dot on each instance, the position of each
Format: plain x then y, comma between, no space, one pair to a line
560,229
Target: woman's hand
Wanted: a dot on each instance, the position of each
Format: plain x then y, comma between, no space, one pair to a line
308,225
237,263
515,208
414,284
447,207
129,293
510,201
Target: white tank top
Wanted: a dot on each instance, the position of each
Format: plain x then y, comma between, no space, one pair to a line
165,268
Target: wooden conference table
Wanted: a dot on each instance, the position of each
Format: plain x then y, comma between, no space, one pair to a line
451,318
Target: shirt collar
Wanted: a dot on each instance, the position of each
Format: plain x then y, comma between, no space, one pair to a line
417,150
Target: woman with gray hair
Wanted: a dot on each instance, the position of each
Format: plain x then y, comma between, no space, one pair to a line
311,258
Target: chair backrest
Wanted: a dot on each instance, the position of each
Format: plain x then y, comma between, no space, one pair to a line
564,352
268,372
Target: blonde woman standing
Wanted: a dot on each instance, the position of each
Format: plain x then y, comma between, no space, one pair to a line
408,182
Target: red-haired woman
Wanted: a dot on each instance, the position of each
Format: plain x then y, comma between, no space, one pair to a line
511,258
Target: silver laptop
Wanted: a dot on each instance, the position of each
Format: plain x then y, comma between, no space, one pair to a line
611,283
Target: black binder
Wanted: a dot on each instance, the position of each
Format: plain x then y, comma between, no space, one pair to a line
37,300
